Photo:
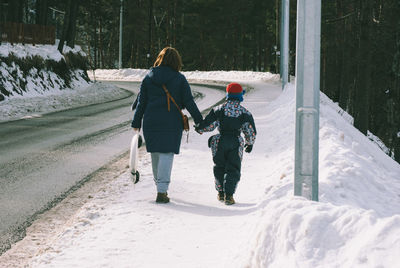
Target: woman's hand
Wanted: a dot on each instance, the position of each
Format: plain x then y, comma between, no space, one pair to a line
197,128
136,129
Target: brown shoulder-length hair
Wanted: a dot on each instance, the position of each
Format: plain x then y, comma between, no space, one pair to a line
169,56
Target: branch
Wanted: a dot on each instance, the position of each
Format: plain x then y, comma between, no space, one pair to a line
340,18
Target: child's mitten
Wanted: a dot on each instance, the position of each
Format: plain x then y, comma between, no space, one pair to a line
209,141
248,148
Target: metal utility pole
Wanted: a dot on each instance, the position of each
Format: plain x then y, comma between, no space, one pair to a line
307,98
120,35
285,42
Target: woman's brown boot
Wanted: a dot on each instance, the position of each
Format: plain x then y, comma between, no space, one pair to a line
162,198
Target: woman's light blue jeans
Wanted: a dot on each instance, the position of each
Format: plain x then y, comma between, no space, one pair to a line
162,166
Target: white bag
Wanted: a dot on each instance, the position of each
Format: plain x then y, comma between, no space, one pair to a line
134,157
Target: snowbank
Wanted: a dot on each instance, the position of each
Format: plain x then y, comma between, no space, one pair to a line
28,70
46,52
357,221
118,74
218,76
294,232
35,104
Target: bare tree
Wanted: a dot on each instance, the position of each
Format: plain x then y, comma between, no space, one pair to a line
69,26
41,12
363,89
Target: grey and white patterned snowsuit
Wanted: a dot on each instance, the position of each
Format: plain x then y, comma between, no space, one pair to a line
231,119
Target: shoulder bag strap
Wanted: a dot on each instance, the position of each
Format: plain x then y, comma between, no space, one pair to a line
170,97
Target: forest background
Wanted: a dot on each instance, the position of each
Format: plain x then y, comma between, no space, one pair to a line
360,43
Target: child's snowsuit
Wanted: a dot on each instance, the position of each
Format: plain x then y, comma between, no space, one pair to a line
227,147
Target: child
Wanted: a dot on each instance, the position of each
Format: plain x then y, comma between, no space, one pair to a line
227,147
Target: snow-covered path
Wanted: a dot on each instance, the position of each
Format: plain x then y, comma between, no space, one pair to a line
126,226
129,229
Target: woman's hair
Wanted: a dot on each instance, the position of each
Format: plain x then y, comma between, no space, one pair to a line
169,56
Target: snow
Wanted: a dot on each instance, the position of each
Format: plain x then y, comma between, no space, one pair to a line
47,52
34,104
217,76
355,224
38,83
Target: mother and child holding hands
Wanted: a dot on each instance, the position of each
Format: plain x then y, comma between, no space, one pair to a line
162,125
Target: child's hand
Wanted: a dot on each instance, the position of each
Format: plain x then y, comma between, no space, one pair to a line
248,148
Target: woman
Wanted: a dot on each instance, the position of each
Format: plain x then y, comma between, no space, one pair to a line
162,129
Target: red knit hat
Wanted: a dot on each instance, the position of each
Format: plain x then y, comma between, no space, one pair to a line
234,88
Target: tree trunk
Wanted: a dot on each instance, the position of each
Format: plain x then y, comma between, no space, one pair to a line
396,94
364,68
65,26
15,10
1,14
93,19
167,24
323,67
72,24
150,44
174,23
41,12
241,49
343,91
90,54
339,47
109,57
277,41
260,46
137,55
234,44
131,58
101,47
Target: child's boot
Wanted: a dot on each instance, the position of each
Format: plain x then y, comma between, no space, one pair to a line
221,196
229,200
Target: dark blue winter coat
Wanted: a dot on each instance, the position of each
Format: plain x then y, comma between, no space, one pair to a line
162,130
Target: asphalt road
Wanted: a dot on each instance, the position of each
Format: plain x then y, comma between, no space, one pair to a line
41,159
